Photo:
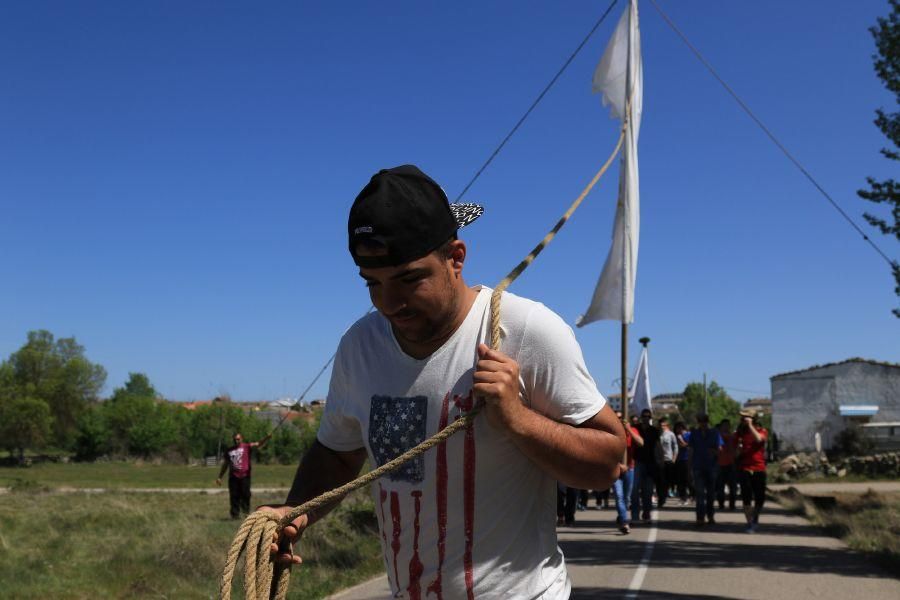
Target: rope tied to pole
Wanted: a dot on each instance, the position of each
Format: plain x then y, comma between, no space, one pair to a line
266,580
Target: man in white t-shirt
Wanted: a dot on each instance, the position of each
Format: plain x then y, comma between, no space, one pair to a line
474,517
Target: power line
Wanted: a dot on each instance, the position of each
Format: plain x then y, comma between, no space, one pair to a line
303,394
311,383
537,101
770,135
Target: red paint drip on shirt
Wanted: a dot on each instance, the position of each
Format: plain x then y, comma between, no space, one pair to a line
469,496
436,586
395,534
415,565
382,496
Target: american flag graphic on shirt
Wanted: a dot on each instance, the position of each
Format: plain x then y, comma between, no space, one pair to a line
395,426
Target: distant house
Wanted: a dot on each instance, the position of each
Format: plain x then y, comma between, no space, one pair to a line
194,404
762,405
615,401
661,404
666,404
826,399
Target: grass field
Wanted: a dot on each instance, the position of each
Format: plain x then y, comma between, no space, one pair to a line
157,545
134,475
869,523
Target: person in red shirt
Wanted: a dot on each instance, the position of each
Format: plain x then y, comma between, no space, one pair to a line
238,462
727,471
623,485
751,461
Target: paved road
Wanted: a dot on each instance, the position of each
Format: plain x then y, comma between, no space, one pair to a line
786,558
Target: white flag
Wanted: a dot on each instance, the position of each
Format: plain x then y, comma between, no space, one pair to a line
619,68
640,387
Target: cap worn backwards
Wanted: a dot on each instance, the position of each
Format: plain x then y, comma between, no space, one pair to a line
406,215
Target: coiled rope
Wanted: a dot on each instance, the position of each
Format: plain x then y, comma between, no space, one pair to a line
264,579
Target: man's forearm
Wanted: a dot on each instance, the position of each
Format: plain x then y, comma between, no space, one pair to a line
581,457
322,470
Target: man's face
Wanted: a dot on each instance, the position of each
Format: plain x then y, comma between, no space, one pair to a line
418,297
703,423
238,438
645,417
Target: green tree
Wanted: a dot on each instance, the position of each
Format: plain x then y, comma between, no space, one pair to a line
211,426
720,404
57,372
291,441
887,65
139,385
93,438
138,421
24,424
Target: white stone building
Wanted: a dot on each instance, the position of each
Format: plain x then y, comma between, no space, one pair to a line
829,398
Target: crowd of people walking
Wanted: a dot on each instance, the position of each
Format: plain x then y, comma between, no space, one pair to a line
706,466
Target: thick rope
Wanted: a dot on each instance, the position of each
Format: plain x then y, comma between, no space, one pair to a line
263,579
514,274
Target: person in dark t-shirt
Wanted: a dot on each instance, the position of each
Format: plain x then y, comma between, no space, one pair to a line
705,444
645,470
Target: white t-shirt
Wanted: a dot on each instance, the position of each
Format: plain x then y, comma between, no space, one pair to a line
474,517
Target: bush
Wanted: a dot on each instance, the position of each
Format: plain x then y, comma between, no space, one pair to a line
92,440
24,424
852,442
135,422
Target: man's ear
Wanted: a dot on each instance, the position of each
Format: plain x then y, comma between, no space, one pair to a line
457,255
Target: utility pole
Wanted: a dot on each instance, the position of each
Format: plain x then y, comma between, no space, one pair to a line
218,401
705,400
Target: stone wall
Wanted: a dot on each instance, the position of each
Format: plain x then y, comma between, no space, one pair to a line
877,466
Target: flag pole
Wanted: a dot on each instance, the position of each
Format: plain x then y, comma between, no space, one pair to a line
624,374
626,117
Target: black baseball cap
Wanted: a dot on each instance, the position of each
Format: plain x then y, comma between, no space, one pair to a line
404,211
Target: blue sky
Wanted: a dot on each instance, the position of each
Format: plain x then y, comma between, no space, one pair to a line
175,177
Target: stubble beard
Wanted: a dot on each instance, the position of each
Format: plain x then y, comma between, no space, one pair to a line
437,327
